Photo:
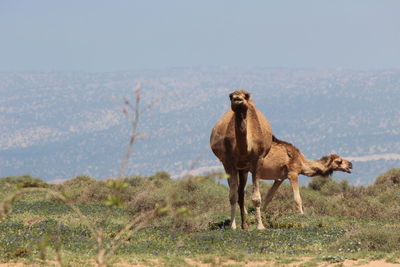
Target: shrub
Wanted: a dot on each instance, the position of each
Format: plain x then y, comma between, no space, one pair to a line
200,194
377,238
318,182
136,181
389,178
160,179
84,190
199,197
161,175
314,202
146,196
202,198
23,181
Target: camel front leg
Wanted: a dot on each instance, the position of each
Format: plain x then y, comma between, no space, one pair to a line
233,182
272,191
242,186
256,198
294,182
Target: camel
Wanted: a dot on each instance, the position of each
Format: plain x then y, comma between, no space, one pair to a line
284,160
240,140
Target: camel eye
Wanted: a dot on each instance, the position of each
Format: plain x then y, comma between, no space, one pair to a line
339,161
247,96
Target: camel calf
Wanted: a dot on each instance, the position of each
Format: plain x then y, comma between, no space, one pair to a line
284,160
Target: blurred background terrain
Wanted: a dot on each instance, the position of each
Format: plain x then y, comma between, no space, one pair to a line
57,125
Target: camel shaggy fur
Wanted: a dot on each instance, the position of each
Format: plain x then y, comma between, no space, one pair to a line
240,140
286,161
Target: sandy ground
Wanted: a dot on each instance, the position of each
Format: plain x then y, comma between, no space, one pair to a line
191,262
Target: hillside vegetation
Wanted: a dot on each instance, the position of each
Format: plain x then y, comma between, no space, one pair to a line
341,221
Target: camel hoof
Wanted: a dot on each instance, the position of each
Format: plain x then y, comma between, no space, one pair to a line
245,226
260,227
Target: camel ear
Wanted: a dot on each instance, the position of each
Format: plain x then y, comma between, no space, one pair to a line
247,96
230,96
332,158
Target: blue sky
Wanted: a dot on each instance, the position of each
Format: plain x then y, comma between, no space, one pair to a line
95,35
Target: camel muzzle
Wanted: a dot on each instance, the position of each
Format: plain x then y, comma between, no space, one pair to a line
348,170
237,100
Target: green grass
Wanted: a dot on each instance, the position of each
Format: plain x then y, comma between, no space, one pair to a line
42,227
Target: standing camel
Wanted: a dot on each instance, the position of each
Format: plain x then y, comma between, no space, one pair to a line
240,140
284,160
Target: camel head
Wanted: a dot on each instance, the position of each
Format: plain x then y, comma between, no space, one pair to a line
337,163
240,100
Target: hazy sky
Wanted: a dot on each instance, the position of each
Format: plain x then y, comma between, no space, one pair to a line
95,35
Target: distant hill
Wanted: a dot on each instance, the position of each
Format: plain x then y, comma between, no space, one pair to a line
59,125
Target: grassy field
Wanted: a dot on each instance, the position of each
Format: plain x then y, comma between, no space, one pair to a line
182,222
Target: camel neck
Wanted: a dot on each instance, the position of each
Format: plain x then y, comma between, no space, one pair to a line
313,168
241,130
240,119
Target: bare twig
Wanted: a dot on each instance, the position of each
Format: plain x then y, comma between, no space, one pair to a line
138,222
132,113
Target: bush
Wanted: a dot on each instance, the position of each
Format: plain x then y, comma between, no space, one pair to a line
162,176
84,190
389,178
13,183
140,193
382,238
135,181
146,195
201,199
200,194
318,182
23,181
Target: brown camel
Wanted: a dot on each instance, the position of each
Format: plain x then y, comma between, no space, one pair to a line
240,140
284,160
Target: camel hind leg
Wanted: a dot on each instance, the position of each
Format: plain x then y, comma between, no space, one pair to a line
271,192
256,198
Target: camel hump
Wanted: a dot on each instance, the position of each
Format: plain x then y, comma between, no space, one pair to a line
292,151
279,141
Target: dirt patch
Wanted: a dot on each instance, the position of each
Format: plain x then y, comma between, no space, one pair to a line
12,264
348,263
373,263
217,262
19,264
345,263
